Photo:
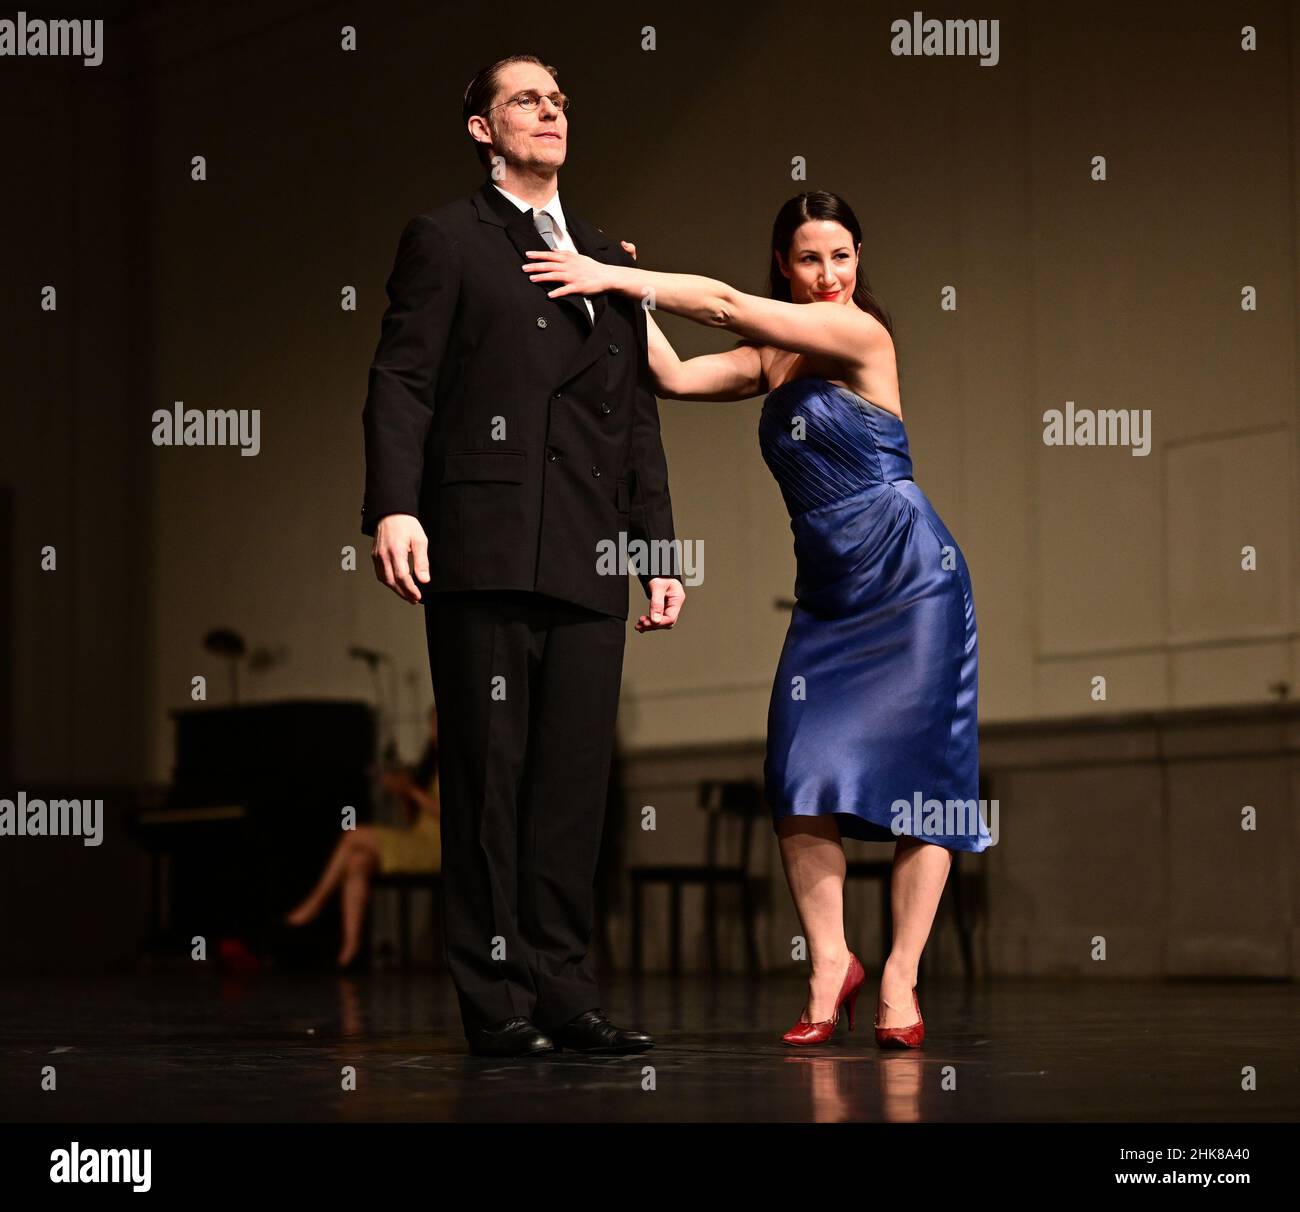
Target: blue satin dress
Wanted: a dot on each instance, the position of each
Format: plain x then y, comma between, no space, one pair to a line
873,710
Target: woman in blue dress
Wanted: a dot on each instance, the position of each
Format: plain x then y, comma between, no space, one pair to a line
872,723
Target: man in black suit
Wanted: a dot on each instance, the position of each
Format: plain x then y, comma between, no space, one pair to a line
510,437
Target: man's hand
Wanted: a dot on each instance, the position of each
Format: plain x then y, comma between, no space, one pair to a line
398,537
629,248
667,597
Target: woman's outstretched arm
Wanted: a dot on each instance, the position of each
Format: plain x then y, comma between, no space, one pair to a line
735,374
822,329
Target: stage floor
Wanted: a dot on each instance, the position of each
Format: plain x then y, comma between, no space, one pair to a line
181,1046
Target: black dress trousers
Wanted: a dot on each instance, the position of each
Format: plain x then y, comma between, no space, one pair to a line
527,691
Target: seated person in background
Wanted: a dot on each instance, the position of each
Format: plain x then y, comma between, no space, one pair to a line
370,848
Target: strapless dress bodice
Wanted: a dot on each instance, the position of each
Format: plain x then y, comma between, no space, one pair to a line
824,443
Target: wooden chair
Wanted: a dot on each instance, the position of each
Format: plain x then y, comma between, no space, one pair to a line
727,803
404,882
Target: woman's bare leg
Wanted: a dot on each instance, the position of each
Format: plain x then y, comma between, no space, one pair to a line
332,876
814,868
920,872
315,900
362,862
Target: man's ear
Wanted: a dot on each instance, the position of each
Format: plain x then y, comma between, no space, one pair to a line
483,128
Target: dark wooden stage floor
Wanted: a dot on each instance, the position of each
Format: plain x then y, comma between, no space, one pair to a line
180,1046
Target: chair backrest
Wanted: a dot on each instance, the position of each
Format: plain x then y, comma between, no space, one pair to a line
730,800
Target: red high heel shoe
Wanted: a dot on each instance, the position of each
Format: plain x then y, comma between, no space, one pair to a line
819,1033
902,1037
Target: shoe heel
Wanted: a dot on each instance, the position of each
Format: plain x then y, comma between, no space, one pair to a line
852,1002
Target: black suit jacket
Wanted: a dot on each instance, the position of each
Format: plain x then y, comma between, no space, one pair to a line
519,434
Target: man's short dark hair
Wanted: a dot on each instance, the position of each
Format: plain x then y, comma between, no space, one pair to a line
479,94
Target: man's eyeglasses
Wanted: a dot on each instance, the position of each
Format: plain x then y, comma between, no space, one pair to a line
531,99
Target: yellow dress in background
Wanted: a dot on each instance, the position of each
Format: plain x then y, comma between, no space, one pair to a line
414,850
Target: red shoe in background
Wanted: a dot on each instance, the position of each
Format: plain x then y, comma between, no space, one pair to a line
236,957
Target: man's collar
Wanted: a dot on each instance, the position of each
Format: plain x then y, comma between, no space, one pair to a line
492,205
553,207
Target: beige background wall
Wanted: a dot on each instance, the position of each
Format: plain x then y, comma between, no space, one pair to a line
1123,294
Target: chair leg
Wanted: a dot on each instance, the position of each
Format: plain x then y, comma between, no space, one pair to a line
436,916
155,898
404,926
711,922
963,923
751,929
636,927
675,927
369,927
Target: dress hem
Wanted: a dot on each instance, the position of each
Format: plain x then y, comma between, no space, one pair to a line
861,829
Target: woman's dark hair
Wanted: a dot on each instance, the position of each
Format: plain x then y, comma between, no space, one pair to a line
479,93
819,204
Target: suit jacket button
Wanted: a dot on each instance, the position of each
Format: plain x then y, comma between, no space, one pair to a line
541,321
613,349
558,394
595,471
605,408
552,456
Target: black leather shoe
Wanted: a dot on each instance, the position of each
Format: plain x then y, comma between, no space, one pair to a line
592,1032
510,1037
